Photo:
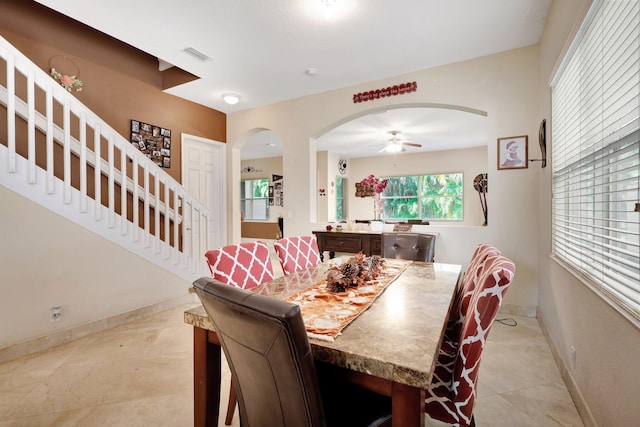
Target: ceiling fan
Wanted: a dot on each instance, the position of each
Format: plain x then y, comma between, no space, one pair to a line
396,144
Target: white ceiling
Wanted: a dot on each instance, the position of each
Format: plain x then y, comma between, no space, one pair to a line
261,49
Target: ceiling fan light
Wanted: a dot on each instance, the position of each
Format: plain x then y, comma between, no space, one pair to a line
393,148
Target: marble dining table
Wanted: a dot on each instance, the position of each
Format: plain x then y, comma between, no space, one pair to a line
390,348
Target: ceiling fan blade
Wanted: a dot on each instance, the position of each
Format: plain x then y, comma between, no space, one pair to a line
412,144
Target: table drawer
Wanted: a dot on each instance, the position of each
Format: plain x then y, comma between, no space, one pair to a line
376,245
343,244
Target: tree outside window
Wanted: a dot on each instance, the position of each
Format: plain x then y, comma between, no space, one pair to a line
428,197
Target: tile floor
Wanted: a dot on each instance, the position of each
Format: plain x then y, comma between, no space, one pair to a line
140,374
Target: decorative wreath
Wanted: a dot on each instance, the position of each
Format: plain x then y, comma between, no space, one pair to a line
68,81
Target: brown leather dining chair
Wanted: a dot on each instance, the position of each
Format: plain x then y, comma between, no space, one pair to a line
411,246
265,342
243,265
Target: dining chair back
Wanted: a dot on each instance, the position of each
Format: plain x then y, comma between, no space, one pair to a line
243,265
411,246
463,295
451,395
266,346
297,253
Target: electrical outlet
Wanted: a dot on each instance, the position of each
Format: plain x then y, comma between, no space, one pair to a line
55,314
573,357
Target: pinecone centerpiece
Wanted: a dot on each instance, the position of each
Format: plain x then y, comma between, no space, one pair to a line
353,272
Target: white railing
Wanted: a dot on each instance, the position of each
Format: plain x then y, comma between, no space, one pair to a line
155,217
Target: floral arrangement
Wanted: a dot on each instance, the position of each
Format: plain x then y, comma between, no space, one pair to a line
67,82
353,272
377,184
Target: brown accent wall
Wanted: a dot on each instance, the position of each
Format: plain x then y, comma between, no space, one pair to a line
120,82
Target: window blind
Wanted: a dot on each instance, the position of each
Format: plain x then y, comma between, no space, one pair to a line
595,133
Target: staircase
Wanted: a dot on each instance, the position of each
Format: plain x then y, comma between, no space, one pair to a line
55,152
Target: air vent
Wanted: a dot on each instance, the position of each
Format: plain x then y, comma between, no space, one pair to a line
196,54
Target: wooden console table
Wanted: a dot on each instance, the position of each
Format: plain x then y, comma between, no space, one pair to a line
369,242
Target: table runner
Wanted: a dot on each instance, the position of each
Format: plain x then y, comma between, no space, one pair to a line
327,313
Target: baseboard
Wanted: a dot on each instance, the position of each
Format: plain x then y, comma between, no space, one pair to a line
73,333
578,399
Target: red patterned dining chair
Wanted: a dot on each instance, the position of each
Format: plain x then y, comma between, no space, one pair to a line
452,393
243,265
464,293
297,253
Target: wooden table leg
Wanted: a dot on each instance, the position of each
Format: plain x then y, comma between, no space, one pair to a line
407,405
207,373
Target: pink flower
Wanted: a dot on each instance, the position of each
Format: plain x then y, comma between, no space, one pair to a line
67,80
377,184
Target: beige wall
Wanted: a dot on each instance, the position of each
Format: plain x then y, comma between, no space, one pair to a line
46,260
503,85
604,380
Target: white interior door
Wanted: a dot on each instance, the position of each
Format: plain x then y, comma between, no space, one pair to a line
204,177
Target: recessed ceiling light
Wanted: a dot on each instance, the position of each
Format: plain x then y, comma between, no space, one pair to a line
231,98
311,72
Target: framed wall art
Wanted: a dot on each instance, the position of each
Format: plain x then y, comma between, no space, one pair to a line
153,141
513,152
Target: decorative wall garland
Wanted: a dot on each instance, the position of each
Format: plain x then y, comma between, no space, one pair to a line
70,77
371,95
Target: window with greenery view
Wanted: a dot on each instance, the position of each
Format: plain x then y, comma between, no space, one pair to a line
254,198
428,197
340,208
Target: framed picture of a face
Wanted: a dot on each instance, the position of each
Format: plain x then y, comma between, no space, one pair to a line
513,152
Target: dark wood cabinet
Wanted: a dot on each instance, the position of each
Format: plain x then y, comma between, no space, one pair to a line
369,242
